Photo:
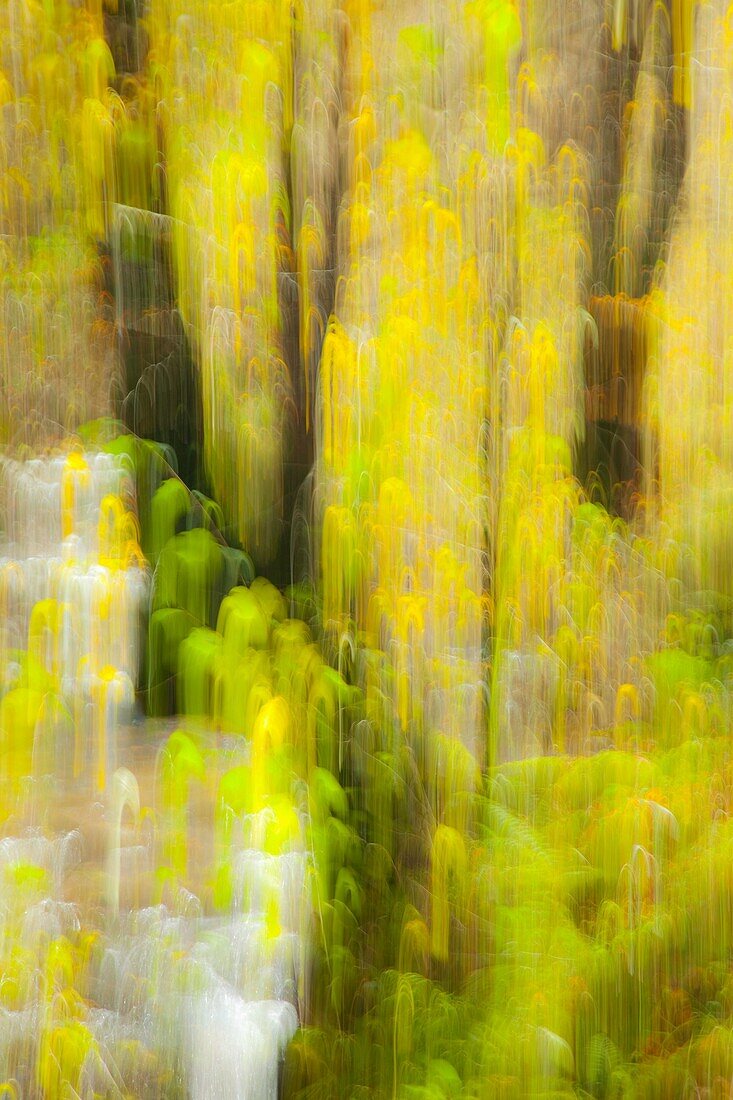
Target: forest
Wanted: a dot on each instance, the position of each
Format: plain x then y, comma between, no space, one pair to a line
366,587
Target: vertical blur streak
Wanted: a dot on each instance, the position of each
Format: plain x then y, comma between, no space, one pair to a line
314,169
226,74
689,405
57,140
451,815
401,510
75,584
